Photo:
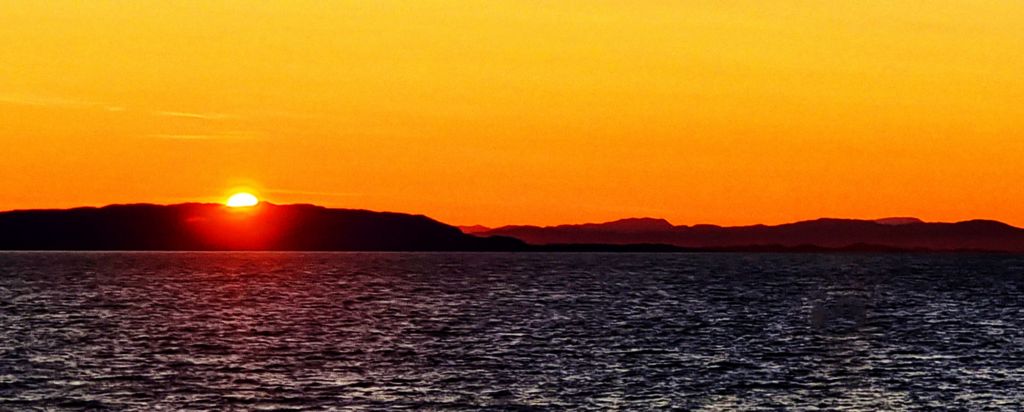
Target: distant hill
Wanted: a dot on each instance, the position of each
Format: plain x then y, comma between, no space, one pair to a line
197,226
822,234
469,230
898,220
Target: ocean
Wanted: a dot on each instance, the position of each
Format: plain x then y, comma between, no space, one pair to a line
510,331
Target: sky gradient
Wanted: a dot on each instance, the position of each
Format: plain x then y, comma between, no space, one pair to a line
533,112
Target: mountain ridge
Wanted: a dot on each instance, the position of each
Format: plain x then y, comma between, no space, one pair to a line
205,226
832,233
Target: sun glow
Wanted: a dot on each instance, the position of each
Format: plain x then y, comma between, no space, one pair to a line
521,112
242,200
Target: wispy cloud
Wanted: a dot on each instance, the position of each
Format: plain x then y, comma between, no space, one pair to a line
206,136
189,115
313,193
57,102
283,114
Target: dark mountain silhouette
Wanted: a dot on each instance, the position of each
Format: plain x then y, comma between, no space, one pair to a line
821,234
197,226
469,230
640,224
898,220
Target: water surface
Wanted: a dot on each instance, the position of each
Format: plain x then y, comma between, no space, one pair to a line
443,331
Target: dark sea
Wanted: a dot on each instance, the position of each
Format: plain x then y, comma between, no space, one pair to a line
474,331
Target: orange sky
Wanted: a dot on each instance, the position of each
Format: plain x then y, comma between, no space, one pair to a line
540,112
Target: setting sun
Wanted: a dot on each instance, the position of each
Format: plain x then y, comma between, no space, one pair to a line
672,204
242,200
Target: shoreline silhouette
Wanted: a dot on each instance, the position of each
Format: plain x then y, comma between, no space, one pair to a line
304,227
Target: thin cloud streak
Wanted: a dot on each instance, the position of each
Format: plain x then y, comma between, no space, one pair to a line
71,103
189,115
205,136
57,102
312,193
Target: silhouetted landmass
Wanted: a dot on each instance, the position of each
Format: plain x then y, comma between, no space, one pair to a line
894,234
898,220
596,247
469,230
215,227
196,226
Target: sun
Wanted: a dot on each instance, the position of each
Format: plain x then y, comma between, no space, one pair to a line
242,199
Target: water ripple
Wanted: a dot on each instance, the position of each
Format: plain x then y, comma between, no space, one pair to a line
371,331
